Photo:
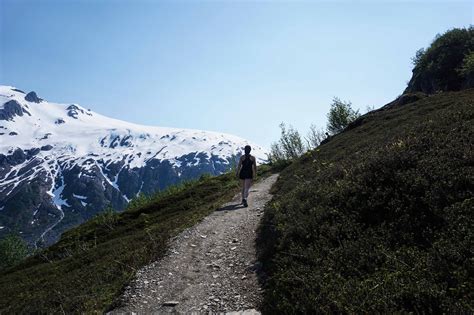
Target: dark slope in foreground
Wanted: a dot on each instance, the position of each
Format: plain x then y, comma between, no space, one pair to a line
379,219
88,268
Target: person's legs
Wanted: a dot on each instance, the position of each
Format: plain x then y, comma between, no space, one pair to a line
248,183
242,182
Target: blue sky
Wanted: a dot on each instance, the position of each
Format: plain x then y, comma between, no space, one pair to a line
239,67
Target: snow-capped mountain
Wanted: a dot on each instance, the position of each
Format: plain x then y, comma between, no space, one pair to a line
61,164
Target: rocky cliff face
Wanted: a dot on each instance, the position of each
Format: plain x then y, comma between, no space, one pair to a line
62,164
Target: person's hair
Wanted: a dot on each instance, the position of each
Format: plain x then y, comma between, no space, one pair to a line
247,150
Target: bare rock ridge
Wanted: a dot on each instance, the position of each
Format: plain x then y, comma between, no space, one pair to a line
210,267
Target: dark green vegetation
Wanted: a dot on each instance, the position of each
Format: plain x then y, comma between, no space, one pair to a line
380,218
87,269
13,249
447,65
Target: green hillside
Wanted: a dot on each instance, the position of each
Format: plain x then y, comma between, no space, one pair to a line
88,268
380,218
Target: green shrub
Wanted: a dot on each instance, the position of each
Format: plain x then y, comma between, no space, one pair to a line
418,58
315,137
13,249
340,115
467,69
205,176
289,146
139,201
106,218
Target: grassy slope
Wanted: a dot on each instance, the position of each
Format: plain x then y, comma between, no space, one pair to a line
379,219
87,269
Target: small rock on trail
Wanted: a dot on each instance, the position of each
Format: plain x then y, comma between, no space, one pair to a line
210,267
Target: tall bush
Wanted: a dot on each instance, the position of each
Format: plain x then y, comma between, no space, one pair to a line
289,146
315,136
340,115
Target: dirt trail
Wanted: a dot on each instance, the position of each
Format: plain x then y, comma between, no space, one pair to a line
210,267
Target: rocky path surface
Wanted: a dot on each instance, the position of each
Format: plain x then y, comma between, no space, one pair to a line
210,267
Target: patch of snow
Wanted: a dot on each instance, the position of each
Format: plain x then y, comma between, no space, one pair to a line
140,190
79,196
84,204
111,183
57,199
197,160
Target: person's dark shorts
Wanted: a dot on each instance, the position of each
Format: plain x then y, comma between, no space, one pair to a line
245,175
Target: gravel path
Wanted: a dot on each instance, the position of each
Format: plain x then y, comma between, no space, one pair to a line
210,267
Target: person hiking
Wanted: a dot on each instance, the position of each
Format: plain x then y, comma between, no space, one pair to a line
246,171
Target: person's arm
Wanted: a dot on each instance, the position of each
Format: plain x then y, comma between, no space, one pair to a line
238,167
254,167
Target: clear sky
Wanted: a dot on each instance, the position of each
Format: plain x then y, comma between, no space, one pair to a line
239,67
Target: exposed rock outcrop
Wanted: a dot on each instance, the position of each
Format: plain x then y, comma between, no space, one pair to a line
10,110
32,97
